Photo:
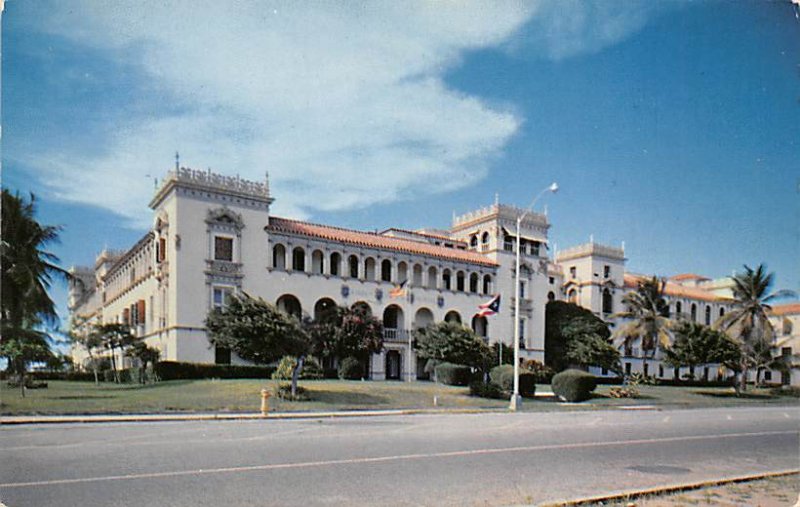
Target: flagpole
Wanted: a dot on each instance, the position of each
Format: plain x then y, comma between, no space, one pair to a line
516,399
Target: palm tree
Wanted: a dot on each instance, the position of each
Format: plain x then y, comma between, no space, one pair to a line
748,322
646,318
28,271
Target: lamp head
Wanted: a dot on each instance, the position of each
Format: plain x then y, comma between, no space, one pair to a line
553,187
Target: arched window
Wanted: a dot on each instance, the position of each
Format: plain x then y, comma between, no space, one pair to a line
317,258
678,310
446,279
335,264
386,270
279,257
324,308
508,243
551,296
572,296
694,312
290,305
369,269
432,277
402,272
298,259
460,280
352,262
473,282
708,315
416,280
608,301
480,325
453,316
485,239
722,312
487,284
473,241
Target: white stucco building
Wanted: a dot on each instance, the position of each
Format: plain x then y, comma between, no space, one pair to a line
214,235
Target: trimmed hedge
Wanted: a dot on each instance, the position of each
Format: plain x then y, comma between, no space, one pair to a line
350,369
65,375
574,385
487,390
175,370
503,376
453,374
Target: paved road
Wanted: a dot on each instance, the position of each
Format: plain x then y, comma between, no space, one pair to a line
481,459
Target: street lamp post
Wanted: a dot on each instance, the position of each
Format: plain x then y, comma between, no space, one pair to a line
516,399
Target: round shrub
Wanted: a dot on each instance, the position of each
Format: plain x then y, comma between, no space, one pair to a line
285,368
453,374
503,376
350,369
574,385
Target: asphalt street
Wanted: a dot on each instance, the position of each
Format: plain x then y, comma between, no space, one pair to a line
443,459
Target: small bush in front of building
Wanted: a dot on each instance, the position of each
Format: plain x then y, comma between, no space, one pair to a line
285,368
453,374
574,385
503,376
350,369
487,390
624,392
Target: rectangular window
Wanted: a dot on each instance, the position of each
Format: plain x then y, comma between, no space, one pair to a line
521,290
161,250
604,372
606,271
573,272
522,333
552,280
786,351
660,370
223,249
535,248
221,298
627,368
768,375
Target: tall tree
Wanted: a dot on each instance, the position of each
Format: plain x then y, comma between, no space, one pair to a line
696,344
28,271
258,332
454,343
646,318
575,336
588,344
748,321
113,336
90,342
346,332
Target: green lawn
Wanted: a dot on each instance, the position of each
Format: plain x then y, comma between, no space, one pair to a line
244,396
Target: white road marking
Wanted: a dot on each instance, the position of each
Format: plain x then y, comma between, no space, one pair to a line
666,419
385,459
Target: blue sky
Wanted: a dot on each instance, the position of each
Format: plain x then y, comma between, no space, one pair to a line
671,126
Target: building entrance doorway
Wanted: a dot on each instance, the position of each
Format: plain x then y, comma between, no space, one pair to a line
393,361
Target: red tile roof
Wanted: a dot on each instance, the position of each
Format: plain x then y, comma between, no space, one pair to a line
786,309
676,290
373,240
688,276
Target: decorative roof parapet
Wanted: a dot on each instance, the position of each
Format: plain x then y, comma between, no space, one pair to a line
503,211
592,248
207,180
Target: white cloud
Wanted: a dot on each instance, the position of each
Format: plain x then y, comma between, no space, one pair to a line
344,105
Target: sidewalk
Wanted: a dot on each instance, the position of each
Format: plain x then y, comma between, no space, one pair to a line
106,418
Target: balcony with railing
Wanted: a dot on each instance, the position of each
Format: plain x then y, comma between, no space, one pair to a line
391,335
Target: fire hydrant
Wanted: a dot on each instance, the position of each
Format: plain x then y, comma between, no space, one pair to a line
264,402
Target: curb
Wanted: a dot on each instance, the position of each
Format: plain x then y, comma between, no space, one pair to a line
638,493
88,419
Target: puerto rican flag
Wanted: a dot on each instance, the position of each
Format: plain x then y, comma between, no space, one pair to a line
490,307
